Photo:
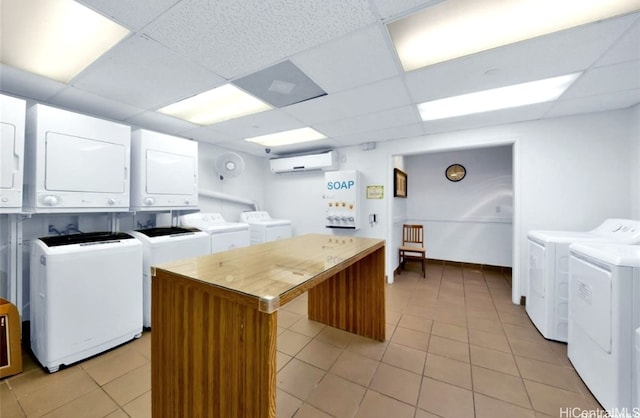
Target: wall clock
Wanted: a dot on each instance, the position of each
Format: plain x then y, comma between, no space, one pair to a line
455,172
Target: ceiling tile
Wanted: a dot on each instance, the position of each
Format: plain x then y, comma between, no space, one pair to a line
394,8
597,103
262,123
626,48
259,150
254,33
134,14
143,73
373,121
159,122
373,97
29,85
206,134
543,57
617,77
359,58
84,102
396,132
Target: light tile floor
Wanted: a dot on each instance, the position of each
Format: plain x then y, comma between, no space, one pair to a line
456,347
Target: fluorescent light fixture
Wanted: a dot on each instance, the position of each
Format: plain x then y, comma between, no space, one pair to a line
55,38
501,98
294,136
456,28
222,103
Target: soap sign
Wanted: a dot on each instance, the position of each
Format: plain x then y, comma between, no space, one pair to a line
342,199
341,185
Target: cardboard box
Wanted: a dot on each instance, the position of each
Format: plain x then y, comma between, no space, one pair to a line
10,352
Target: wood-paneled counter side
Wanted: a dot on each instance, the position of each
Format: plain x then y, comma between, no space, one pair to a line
213,344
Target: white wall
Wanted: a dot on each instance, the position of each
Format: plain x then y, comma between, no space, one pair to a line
248,185
460,218
569,173
635,159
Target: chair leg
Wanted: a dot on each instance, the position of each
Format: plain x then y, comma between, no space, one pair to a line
424,268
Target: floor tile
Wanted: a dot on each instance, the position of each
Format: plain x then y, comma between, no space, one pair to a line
456,347
396,383
487,407
319,354
376,405
94,404
494,360
552,400
337,396
299,378
449,348
354,367
448,370
500,385
405,358
445,400
291,343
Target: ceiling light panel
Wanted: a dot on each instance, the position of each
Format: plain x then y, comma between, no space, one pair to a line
56,39
294,136
501,98
456,28
216,105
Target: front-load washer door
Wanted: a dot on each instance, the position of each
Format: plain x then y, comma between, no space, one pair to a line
170,173
590,306
8,156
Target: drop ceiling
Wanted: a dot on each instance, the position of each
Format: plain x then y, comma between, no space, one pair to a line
179,48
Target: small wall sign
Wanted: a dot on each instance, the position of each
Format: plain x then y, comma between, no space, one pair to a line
375,192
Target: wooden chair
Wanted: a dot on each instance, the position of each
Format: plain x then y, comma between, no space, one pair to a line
412,248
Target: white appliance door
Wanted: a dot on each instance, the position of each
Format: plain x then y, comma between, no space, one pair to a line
274,233
536,305
169,173
8,157
225,241
84,165
591,307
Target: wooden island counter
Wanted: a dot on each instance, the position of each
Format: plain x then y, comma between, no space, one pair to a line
213,344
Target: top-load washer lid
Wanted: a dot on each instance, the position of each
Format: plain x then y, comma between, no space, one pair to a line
612,254
262,218
211,222
624,231
164,231
84,238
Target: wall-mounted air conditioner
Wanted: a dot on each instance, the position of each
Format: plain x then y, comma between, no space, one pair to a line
327,160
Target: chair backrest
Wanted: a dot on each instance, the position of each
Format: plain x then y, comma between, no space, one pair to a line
412,234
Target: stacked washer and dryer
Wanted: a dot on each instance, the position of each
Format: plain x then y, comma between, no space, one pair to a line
548,285
604,322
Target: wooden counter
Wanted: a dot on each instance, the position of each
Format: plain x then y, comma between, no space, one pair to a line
213,344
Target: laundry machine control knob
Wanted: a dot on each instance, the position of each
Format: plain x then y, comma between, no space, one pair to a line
148,201
111,201
50,200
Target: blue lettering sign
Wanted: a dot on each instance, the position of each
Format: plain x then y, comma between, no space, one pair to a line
337,185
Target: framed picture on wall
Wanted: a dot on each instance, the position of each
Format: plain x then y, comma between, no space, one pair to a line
399,183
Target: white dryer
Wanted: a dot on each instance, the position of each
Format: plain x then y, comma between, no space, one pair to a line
604,312
86,295
164,245
547,296
224,235
263,228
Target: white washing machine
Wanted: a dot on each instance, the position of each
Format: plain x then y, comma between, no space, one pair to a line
604,313
224,235
164,245
263,228
547,296
86,295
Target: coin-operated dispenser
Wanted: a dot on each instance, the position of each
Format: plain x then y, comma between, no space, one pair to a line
342,199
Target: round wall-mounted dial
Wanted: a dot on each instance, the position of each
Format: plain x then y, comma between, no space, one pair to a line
455,172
